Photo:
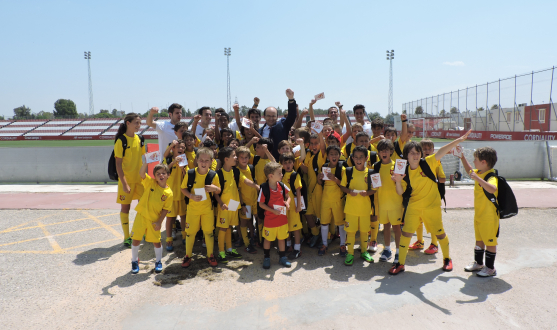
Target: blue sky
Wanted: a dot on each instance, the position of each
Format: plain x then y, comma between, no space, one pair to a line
156,53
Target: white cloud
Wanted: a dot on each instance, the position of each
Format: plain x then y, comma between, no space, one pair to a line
455,63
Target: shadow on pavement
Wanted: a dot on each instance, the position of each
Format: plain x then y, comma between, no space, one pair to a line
98,254
478,287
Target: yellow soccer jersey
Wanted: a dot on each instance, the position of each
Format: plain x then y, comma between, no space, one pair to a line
425,194
190,155
374,145
357,205
214,165
230,189
131,163
249,194
395,156
297,164
483,206
440,173
203,207
297,184
331,191
312,178
175,181
260,176
387,195
154,199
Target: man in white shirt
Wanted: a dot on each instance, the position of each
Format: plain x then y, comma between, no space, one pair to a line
165,128
206,117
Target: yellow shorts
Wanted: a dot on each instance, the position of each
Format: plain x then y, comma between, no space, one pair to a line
280,233
314,202
394,217
294,220
142,226
136,191
226,219
331,211
178,208
487,230
354,223
431,218
253,211
195,222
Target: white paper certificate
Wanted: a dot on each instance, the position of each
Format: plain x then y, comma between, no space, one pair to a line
184,161
317,126
153,157
326,173
400,166
302,200
245,122
376,180
281,208
233,205
248,213
201,192
320,96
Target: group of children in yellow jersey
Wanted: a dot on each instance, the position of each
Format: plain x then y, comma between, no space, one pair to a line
317,192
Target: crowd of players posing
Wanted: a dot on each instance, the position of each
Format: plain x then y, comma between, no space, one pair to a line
269,183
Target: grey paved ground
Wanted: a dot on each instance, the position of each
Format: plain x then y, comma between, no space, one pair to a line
66,269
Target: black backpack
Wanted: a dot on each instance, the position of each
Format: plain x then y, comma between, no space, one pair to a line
191,180
397,149
429,173
235,172
303,191
112,173
505,203
338,170
349,173
265,190
372,157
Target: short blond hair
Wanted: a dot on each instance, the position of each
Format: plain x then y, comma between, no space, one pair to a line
270,168
204,151
242,150
160,167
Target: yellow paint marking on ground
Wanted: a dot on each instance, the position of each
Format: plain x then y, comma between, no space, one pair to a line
71,232
34,252
109,228
52,224
18,227
49,237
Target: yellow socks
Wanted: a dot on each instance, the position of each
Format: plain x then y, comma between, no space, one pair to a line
125,220
209,241
332,229
244,231
222,238
434,240
169,239
304,225
363,241
183,234
403,249
420,232
444,244
315,231
190,240
229,238
350,241
374,231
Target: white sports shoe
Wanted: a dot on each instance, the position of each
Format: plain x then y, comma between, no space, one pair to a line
473,266
485,272
372,246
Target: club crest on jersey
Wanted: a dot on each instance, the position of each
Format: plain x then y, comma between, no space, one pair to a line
266,233
222,221
163,198
347,224
122,197
392,171
365,179
187,225
423,175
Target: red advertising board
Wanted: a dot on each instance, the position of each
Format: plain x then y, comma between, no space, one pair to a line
493,135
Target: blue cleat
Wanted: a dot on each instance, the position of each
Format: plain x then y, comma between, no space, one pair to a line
284,261
158,267
386,255
266,263
135,267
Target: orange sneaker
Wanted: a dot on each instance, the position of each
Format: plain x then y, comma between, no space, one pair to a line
447,265
212,261
418,245
186,262
397,268
432,249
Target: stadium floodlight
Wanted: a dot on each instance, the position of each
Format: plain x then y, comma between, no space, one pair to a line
227,53
390,57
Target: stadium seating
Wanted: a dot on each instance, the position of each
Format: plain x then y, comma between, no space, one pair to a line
20,127
92,126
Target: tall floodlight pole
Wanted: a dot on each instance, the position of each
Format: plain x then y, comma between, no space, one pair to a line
390,57
91,105
227,54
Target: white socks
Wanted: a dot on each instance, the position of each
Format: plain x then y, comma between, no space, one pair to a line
325,234
297,247
135,252
158,253
342,234
288,242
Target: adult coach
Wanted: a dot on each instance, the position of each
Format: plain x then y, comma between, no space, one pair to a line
206,117
278,129
164,128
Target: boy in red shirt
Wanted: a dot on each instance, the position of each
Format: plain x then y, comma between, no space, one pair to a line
275,201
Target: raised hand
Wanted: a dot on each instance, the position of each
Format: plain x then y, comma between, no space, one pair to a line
196,118
290,94
403,117
254,140
300,142
256,100
312,102
338,104
236,107
154,110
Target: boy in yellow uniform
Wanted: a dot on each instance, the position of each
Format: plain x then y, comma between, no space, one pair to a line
391,134
175,181
200,207
390,212
486,217
249,198
128,163
285,147
153,206
262,157
231,180
424,200
358,205
428,148
312,165
331,204
377,126
293,215
274,200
